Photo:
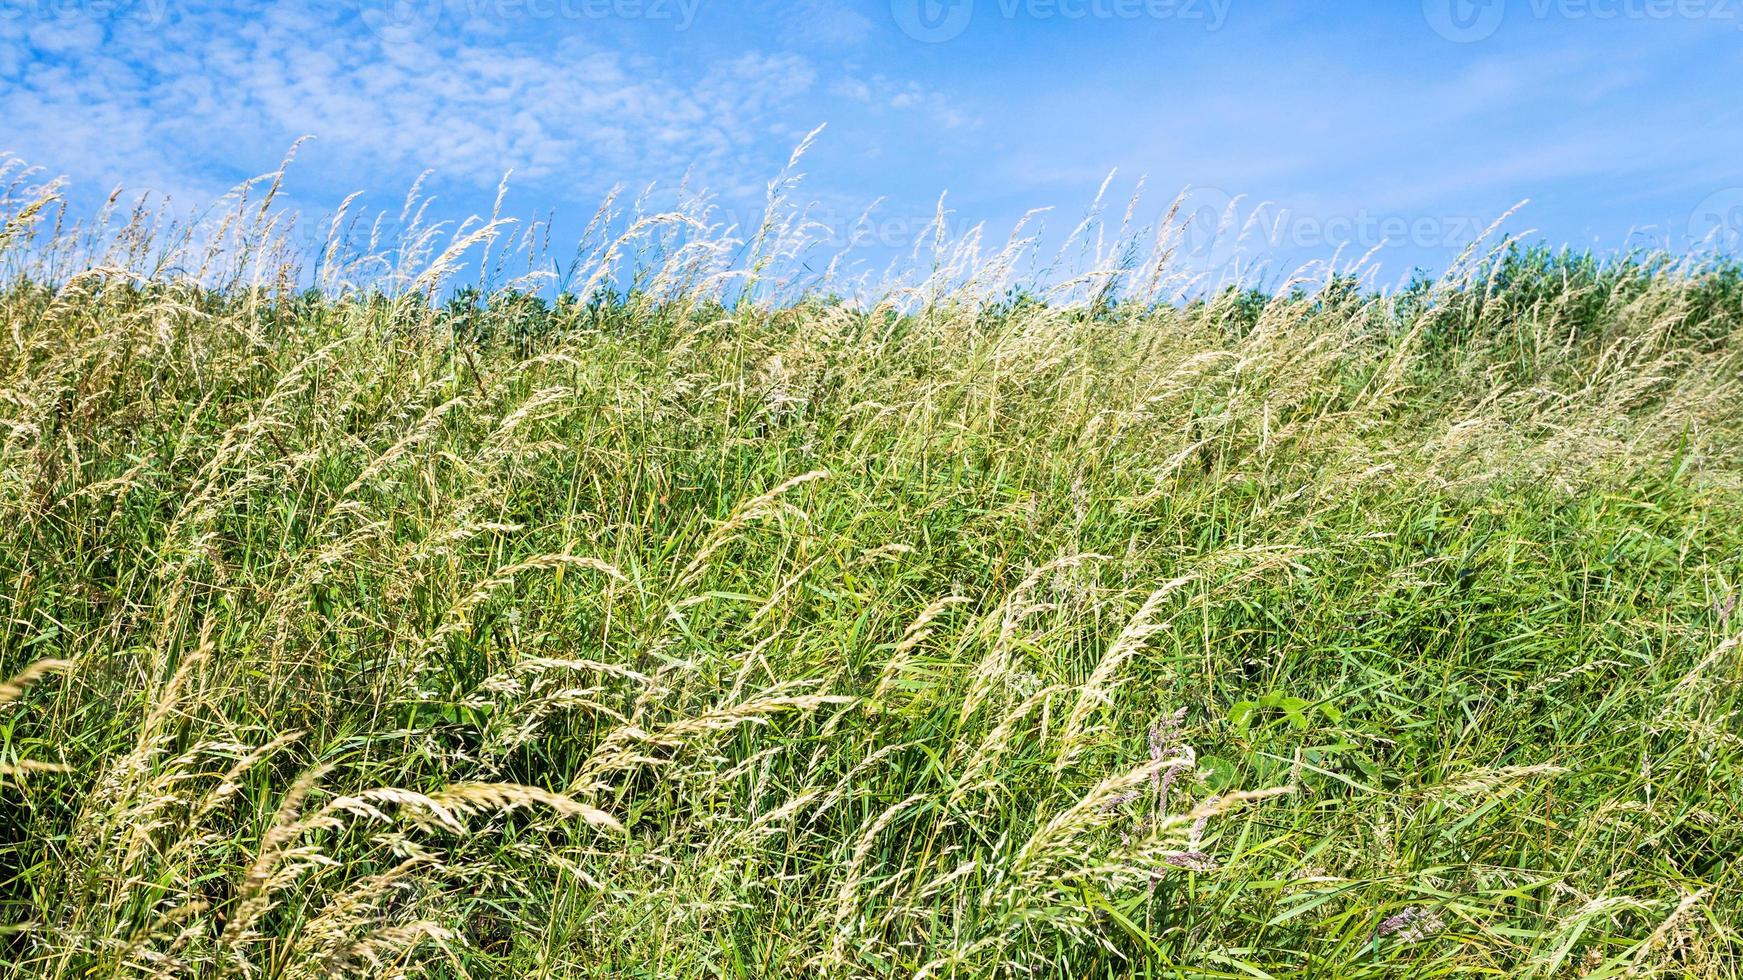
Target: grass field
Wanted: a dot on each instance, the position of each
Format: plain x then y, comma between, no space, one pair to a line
1088,634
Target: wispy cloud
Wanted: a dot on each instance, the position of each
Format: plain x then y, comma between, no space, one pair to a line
825,23
880,94
1367,113
205,99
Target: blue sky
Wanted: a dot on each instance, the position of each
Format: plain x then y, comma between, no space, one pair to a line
1407,125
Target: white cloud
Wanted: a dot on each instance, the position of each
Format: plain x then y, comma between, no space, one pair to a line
823,22
880,93
202,100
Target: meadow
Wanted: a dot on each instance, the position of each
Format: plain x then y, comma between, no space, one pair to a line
689,617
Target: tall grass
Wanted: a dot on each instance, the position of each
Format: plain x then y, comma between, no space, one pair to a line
698,624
